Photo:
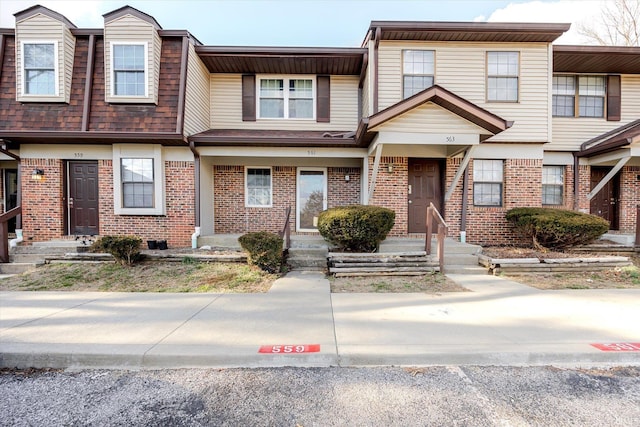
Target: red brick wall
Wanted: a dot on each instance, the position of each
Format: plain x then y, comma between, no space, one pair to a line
232,216
629,198
44,212
391,190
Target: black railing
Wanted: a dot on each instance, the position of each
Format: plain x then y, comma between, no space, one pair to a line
433,214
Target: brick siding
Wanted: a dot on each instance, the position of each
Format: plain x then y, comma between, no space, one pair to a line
391,190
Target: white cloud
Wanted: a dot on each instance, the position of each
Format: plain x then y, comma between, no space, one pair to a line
574,12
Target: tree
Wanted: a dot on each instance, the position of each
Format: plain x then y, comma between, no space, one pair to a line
619,24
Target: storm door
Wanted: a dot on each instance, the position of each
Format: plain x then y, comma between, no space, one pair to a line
11,195
311,197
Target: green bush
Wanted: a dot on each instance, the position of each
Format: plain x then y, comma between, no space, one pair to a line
356,228
125,249
557,228
265,250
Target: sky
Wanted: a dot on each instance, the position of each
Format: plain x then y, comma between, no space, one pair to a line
334,23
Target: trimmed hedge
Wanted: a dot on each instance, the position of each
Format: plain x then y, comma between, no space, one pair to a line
557,228
356,228
125,249
265,250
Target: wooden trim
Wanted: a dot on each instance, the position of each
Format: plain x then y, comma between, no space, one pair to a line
613,98
2,44
376,66
249,98
184,64
363,70
323,100
88,84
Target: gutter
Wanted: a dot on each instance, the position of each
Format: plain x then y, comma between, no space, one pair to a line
196,202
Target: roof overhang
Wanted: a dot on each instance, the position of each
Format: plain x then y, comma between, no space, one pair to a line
596,59
54,137
445,99
273,138
282,60
467,31
610,141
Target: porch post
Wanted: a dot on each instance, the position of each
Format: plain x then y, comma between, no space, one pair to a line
461,169
374,175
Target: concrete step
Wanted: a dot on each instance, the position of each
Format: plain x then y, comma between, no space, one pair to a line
464,269
221,241
312,241
460,259
307,257
48,249
17,268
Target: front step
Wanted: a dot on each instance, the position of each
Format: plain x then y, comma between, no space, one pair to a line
37,252
17,267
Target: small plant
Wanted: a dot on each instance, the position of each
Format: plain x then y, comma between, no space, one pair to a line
356,228
557,228
265,250
125,249
189,260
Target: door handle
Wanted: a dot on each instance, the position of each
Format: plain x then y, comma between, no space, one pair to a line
409,188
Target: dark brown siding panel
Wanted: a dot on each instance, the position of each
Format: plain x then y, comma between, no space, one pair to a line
323,108
249,98
613,98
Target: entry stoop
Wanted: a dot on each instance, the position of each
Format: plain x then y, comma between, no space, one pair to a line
38,252
308,253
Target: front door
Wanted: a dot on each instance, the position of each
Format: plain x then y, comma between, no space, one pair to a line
83,198
424,188
605,203
11,195
312,197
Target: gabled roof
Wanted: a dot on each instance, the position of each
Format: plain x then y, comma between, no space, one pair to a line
447,100
466,31
128,10
596,59
610,141
282,60
37,9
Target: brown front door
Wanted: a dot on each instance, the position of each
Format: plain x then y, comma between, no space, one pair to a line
424,188
605,203
83,198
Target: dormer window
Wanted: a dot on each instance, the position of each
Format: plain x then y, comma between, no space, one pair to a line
286,98
40,71
129,70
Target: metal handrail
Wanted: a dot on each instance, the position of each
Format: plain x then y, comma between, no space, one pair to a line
4,232
432,213
286,230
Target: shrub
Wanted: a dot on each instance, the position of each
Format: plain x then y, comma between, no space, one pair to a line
265,250
557,228
125,249
356,228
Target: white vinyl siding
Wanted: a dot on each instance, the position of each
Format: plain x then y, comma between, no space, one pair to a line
226,106
131,30
461,69
37,29
196,108
570,132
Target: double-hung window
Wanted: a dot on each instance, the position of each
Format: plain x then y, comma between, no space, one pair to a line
258,187
39,68
487,182
417,71
129,69
286,98
552,185
589,92
137,183
502,76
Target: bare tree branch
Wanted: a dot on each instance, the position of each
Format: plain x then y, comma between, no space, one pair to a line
619,24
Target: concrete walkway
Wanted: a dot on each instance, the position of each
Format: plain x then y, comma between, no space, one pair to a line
499,323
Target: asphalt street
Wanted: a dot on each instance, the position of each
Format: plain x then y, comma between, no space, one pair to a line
438,396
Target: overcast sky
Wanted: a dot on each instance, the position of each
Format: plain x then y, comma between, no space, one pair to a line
310,22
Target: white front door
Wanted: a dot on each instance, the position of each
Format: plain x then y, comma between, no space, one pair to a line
311,197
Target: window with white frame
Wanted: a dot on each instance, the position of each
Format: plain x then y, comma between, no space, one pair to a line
417,71
129,69
286,98
39,67
502,76
137,183
552,185
258,187
588,91
487,182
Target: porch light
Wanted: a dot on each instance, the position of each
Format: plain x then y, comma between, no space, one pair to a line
390,167
37,175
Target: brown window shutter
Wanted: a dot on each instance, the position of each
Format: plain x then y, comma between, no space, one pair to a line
323,107
613,98
249,98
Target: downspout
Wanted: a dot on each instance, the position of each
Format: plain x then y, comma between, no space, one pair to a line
465,201
376,68
576,182
196,204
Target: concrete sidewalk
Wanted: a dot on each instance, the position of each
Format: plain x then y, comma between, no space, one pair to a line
499,323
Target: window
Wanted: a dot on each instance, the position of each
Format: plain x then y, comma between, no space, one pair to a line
258,187
417,68
128,62
137,183
502,76
39,68
552,185
487,182
564,96
296,102
590,90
